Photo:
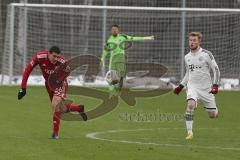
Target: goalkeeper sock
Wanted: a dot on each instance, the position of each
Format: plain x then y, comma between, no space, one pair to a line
189,121
74,108
56,123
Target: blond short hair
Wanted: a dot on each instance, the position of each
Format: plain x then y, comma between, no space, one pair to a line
196,34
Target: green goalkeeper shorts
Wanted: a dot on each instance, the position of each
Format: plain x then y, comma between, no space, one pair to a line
118,63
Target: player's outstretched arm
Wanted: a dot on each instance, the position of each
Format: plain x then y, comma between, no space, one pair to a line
149,38
22,92
138,39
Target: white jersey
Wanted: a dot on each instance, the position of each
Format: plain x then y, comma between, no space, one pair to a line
198,70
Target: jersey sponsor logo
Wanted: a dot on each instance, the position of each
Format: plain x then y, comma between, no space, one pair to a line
110,46
192,67
120,43
48,71
123,45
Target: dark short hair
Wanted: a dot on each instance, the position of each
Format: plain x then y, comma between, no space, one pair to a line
115,25
55,49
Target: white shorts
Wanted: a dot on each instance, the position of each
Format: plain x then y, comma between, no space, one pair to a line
203,96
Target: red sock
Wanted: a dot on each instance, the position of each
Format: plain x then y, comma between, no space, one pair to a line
56,122
73,108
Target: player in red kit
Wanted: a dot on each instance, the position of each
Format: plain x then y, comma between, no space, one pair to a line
48,62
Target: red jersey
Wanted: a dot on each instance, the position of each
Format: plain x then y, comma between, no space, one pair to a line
41,59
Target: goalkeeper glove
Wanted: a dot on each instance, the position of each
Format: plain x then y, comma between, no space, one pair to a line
21,93
149,38
214,89
178,89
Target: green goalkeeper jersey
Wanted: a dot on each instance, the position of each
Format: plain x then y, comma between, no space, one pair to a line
116,46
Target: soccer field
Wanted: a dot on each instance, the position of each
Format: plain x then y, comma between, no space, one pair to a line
26,129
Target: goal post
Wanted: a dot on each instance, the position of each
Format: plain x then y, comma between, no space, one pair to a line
78,29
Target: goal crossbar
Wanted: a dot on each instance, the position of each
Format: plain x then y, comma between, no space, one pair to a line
126,7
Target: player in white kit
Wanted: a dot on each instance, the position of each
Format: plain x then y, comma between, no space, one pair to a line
198,82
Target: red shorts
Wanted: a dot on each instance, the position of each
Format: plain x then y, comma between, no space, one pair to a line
60,91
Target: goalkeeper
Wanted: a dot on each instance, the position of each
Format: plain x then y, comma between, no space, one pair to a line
117,64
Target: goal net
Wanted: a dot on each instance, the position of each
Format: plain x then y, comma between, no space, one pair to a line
79,30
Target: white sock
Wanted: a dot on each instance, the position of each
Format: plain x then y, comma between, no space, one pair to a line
189,121
189,125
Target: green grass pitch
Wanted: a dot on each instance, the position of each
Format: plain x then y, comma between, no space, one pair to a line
25,128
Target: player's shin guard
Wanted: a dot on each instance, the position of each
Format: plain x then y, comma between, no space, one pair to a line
56,123
189,121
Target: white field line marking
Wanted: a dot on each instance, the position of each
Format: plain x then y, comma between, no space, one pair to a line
94,136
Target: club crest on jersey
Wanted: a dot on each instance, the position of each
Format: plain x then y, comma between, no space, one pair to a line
61,60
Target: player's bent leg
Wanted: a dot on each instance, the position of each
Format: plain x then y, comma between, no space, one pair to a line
210,105
79,108
191,104
62,107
